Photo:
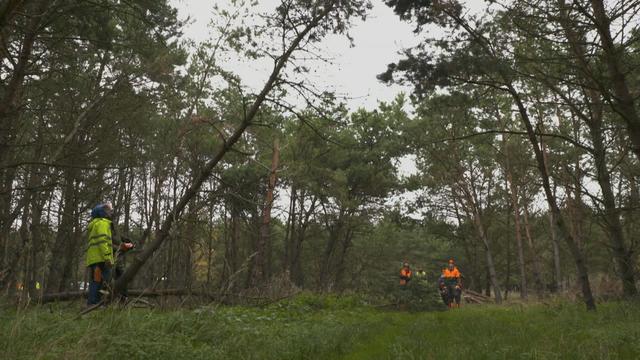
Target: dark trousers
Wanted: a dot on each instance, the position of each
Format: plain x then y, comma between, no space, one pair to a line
96,284
453,294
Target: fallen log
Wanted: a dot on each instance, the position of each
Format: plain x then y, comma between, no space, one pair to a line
475,298
72,295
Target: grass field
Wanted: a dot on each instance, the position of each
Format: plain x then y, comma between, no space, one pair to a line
310,327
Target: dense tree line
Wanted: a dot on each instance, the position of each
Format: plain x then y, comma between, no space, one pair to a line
523,124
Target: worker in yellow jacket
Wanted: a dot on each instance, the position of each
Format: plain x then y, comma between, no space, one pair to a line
100,251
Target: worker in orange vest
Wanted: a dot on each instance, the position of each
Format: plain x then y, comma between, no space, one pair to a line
405,274
452,281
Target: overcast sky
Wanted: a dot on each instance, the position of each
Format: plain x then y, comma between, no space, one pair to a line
354,69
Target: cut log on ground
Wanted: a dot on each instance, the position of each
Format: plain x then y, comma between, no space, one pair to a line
473,297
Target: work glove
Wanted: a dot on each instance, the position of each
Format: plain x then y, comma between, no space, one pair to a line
126,246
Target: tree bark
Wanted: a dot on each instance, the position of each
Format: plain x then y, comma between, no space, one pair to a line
262,259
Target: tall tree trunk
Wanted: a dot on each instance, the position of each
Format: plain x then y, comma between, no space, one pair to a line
210,240
476,273
262,259
535,258
557,267
297,275
481,230
612,214
7,177
289,230
335,233
507,275
487,287
56,282
493,277
623,100
26,259
345,244
513,193
36,253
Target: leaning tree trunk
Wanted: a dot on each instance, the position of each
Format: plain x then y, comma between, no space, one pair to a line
143,256
612,215
560,224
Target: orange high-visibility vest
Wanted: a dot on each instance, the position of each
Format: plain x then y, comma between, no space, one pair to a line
405,274
451,277
451,274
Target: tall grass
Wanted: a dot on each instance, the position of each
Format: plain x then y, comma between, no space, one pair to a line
306,327
312,327
559,331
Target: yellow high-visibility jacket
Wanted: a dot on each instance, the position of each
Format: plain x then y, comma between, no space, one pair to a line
100,242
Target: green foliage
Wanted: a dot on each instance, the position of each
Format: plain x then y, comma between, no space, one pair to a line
417,295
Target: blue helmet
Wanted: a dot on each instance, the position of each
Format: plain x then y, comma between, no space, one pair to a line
100,211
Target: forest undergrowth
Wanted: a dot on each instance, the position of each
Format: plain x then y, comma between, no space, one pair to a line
324,327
